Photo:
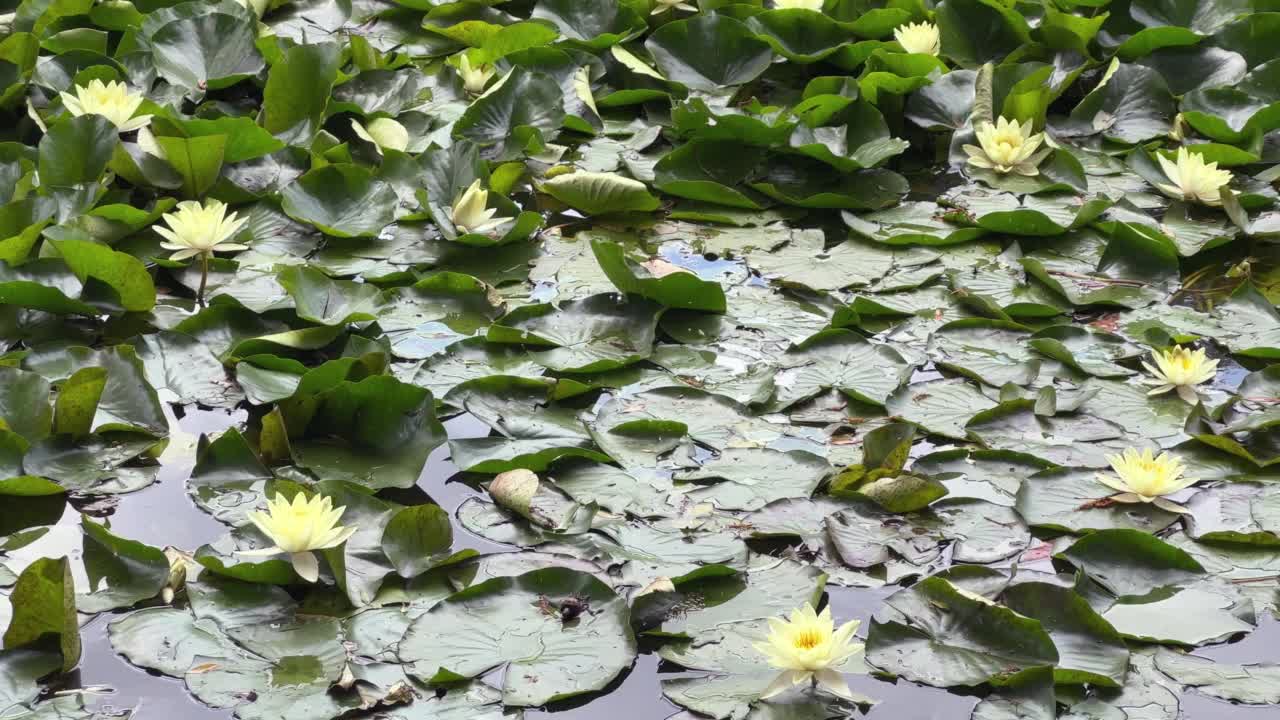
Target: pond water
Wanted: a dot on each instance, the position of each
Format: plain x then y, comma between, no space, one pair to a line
162,514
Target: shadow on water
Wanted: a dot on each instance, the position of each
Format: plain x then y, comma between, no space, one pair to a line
163,514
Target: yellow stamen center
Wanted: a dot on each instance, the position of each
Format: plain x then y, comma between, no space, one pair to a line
808,639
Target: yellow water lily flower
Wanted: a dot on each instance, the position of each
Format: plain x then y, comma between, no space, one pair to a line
300,528
385,133
1142,478
798,4
661,6
809,648
474,77
471,213
919,38
1007,147
112,101
1192,179
200,229
1182,370
179,564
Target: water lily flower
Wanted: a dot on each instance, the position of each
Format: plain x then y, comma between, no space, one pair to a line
1007,147
919,38
1141,478
661,6
1192,179
200,229
300,528
1180,369
385,133
471,214
474,78
798,4
809,648
179,562
112,101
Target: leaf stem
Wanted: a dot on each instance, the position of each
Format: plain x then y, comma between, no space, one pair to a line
204,277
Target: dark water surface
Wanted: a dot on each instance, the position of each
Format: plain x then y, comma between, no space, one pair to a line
164,515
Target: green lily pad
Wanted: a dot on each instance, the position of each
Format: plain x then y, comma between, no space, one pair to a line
544,660
942,636
708,52
341,200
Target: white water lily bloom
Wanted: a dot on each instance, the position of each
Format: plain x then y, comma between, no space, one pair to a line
471,213
1182,370
474,78
1007,147
809,648
661,6
1192,179
112,101
200,229
798,4
383,132
300,528
1142,478
919,37
196,229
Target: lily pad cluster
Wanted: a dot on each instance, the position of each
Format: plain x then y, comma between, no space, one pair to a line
967,309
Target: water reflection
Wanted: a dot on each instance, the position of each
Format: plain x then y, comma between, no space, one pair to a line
636,694
159,515
1258,646
163,514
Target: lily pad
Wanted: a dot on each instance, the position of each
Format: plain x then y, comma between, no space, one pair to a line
550,658
945,637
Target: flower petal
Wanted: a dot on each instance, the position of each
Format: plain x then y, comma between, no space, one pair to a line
1188,393
784,682
834,683
306,565
1171,506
